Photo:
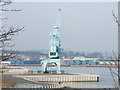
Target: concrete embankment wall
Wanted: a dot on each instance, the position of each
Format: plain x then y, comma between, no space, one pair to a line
62,78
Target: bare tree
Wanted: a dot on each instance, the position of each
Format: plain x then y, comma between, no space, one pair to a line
116,19
7,33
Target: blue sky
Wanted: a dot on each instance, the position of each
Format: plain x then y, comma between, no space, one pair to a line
85,26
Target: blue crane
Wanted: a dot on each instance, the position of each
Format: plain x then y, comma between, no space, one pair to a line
55,49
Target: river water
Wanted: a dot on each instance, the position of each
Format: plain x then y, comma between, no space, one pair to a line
106,79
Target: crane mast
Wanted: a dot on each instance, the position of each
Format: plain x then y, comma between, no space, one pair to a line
54,47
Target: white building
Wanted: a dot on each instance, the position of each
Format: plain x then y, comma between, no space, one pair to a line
84,58
5,62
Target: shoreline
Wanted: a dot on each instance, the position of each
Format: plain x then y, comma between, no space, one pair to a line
116,66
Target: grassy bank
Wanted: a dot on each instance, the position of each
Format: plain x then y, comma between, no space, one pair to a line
7,84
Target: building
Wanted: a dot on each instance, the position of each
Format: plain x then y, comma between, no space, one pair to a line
5,62
24,62
81,61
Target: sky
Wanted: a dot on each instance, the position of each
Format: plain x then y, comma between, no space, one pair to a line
85,26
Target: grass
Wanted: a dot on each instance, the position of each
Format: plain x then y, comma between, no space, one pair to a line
6,84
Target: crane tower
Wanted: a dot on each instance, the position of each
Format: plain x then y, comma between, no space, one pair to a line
55,49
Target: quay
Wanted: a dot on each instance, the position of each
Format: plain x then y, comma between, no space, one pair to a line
71,77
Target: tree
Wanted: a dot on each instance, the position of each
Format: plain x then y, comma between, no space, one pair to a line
7,33
117,19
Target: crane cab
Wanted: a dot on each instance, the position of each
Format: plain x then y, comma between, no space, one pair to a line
53,55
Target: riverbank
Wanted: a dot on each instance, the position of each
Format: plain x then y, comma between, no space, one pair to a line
70,65
9,81
106,80
64,88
